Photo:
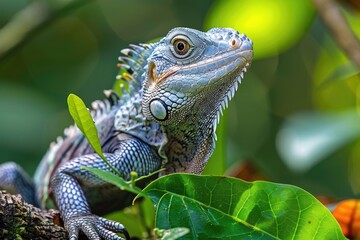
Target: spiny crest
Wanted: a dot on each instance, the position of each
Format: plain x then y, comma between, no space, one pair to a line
131,65
229,95
128,82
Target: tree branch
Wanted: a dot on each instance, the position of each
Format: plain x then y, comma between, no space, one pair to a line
330,13
20,220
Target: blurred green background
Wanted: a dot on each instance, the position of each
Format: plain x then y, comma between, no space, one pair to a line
294,116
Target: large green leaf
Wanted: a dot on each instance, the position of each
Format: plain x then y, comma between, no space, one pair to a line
227,208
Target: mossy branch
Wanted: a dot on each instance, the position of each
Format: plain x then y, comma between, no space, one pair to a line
20,220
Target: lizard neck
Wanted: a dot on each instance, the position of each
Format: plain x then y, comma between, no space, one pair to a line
190,144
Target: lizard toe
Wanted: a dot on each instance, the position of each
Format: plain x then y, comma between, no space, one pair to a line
90,230
84,223
73,231
73,237
95,228
114,227
107,234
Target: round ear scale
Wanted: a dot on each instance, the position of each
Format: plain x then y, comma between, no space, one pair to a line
158,110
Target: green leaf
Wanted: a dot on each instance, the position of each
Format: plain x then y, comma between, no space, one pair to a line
113,179
170,234
228,208
85,123
119,181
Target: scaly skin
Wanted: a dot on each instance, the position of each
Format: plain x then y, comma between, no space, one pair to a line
179,87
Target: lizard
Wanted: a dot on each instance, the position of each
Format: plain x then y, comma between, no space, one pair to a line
178,88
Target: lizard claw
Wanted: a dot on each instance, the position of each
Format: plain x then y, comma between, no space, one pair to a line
95,228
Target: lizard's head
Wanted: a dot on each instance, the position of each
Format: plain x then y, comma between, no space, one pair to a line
194,73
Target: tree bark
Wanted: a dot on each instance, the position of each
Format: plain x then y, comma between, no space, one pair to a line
20,220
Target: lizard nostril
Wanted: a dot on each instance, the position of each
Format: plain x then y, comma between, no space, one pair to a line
234,43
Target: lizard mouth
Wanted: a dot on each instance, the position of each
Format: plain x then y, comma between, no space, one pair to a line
225,63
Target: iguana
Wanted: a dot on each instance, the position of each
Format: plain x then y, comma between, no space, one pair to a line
178,88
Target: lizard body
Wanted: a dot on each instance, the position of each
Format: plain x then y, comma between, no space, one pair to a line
178,89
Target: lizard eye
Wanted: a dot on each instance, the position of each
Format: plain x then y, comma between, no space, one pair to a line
181,46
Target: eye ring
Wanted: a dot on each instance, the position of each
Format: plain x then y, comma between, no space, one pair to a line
181,46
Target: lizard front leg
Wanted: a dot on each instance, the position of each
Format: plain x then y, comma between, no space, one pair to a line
130,155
